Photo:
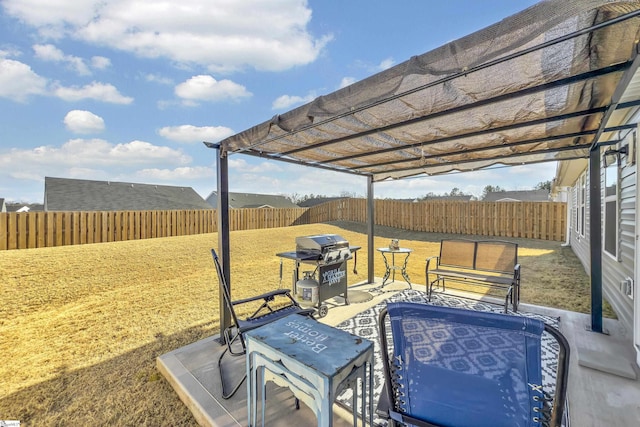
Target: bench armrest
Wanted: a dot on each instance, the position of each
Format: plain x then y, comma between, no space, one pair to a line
437,258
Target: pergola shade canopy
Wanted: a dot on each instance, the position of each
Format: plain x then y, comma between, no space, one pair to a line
538,86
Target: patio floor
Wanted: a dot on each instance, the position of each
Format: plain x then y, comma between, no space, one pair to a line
595,398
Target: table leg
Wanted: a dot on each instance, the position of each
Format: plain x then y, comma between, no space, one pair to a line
354,402
263,390
387,272
370,363
363,404
251,388
404,270
393,264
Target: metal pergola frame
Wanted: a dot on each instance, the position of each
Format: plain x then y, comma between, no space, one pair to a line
590,150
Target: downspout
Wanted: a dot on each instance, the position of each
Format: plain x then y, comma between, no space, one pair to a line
636,249
567,242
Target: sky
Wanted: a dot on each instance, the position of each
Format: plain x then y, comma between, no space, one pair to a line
127,90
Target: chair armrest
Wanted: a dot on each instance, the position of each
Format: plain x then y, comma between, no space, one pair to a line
268,296
437,258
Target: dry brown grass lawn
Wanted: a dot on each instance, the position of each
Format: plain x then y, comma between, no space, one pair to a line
81,326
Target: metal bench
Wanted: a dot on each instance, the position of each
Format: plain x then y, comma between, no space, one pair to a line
489,263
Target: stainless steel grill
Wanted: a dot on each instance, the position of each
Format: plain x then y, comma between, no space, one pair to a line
325,248
328,253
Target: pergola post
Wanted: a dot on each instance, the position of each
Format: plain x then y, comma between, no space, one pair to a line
595,220
223,233
370,231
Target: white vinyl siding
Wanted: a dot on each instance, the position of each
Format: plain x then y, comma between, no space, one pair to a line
610,242
581,207
580,221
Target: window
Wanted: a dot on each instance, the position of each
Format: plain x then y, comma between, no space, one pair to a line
611,210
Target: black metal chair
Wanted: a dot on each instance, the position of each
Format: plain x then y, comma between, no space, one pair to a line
233,335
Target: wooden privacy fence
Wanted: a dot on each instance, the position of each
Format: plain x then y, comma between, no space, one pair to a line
535,220
46,229
532,220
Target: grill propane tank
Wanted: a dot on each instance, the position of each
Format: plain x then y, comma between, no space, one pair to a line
307,288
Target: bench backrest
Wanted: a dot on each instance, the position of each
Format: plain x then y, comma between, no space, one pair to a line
486,255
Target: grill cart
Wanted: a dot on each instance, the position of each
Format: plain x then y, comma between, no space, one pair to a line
326,256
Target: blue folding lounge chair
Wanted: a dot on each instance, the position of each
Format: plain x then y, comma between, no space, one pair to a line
463,368
264,314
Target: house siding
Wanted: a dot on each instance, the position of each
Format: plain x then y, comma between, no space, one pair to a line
614,271
580,244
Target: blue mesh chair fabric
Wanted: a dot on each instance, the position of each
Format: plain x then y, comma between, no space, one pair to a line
456,367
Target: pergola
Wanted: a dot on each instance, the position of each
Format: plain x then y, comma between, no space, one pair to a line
554,82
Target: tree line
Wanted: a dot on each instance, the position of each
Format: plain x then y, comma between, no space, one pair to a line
542,185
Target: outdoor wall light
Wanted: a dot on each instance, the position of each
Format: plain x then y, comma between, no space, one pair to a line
612,155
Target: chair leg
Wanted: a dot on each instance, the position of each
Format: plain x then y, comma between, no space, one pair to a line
226,395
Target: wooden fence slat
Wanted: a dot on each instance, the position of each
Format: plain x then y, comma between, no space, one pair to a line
4,231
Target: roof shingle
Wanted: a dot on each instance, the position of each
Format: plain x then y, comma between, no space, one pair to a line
62,194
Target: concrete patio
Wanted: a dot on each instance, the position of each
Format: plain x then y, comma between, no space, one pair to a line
595,397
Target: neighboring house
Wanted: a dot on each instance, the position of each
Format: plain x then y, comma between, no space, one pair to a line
61,194
619,194
250,200
25,207
464,198
317,201
517,196
3,207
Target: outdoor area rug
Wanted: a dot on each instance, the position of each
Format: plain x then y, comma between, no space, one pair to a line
365,325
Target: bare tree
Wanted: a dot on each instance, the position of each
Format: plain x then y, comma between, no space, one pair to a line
490,189
543,185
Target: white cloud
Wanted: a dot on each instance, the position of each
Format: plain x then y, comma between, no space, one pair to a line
322,182
286,101
51,15
347,81
375,68
50,53
221,35
18,81
9,51
81,121
181,173
241,165
96,91
193,134
100,62
289,179
156,78
88,153
206,88
101,160
385,64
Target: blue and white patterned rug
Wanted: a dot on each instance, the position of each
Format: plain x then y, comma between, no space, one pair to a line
365,325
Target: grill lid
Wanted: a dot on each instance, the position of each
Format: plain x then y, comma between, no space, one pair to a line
320,242
327,247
